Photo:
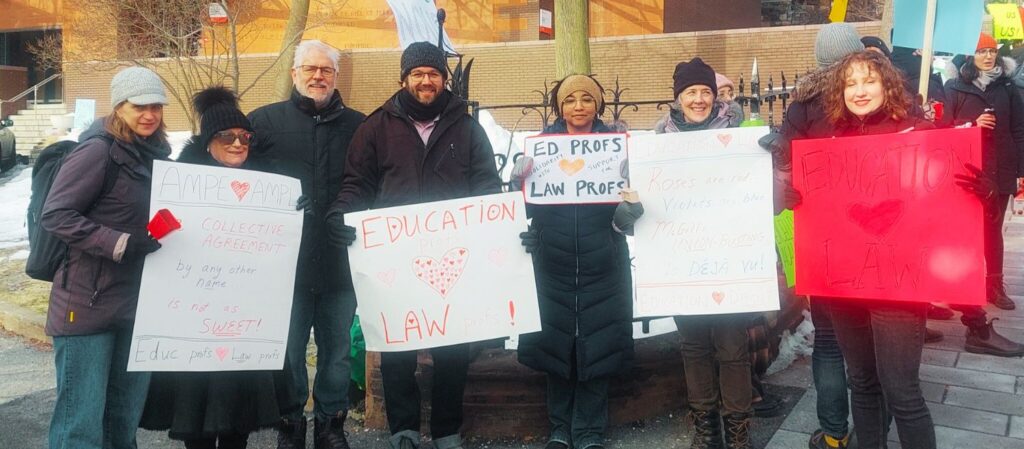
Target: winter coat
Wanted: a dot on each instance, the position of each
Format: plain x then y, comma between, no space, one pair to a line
93,293
300,141
726,115
910,64
389,165
584,290
804,116
193,405
1002,147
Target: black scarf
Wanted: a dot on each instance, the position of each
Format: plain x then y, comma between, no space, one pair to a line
423,112
151,149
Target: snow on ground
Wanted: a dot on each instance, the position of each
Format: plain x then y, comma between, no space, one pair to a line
14,195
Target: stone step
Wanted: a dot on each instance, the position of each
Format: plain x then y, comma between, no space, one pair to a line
46,106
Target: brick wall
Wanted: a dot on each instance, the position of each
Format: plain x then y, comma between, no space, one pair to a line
508,73
13,81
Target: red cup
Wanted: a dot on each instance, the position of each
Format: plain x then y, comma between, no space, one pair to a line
938,107
163,223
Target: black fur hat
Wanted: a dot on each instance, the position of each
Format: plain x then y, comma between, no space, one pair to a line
218,110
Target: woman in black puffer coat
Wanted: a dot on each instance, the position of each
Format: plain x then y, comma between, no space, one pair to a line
584,288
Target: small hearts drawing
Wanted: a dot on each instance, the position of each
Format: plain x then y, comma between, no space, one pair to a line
497,256
221,352
240,188
725,139
387,277
571,167
441,275
718,296
878,219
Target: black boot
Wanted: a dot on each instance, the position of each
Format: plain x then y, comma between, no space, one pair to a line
707,429
737,430
291,434
997,293
985,340
330,434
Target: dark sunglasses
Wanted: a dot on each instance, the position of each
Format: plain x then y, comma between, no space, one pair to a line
228,137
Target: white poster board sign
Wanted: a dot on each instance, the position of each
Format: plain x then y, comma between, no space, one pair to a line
217,296
85,113
575,169
706,242
443,273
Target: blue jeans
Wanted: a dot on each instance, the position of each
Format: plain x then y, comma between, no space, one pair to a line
882,343
330,317
829,371
99,403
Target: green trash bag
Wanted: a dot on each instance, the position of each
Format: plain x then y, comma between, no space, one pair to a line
358,354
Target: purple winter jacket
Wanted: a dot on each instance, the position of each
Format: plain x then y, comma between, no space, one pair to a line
93,293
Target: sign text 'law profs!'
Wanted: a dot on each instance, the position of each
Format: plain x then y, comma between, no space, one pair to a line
882,218
217,295
443,273
575,169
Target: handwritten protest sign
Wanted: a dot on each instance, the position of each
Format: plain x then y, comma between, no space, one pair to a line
784,243
1006,22
575,169
705,244
881,217
442,273
957,24
217,296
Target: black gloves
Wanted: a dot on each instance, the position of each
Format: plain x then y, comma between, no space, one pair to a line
338,233
977,182
779,146
531,241
785,196
626,215
138,246
305,204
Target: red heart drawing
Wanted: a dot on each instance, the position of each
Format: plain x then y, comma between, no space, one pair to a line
441,276
876,220
387,277
725,139
240,188
718,297
221,352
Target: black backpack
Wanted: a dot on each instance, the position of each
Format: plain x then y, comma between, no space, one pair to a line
47,252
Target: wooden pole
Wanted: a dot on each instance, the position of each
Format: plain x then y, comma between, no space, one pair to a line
928,52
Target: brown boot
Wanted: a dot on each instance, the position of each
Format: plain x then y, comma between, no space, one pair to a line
996,293
985,340
707,429
737,430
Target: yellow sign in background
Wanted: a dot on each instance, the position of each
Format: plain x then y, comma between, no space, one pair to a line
1006,21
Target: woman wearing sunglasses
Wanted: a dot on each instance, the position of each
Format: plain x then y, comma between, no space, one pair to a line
216,409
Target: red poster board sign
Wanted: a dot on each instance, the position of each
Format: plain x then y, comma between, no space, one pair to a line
881,217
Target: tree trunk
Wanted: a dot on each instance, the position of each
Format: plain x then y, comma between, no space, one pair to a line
297,18
886,30
572,32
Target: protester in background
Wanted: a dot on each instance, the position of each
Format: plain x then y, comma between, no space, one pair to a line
877,45
727,93
307,137
882,341
983,95
94,294
421,125
209,410
584,289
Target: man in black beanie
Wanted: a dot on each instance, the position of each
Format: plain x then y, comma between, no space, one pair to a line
420,146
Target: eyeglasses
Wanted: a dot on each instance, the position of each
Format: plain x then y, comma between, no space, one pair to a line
433,76
228,137
311,70
987,52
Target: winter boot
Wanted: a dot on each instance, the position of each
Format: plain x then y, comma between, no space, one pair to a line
291,434
932,335
939,313
737,430
707,429
556,445
822,440
330,433
449,442
997,293
985,340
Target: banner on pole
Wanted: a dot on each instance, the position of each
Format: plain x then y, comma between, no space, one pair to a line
217,296
881,217
443,273
706,242
1006,23
575,168
957,24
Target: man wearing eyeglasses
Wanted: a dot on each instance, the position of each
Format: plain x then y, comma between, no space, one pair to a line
307,137
420,146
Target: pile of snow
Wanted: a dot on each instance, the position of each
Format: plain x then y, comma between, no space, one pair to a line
799,343
14,196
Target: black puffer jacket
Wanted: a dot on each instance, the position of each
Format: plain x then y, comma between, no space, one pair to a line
584,288
299,141
1003,147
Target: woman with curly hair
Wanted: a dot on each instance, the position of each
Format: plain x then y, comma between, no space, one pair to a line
881,341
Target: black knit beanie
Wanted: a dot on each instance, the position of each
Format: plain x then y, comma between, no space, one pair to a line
424,54
691,73
218,110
